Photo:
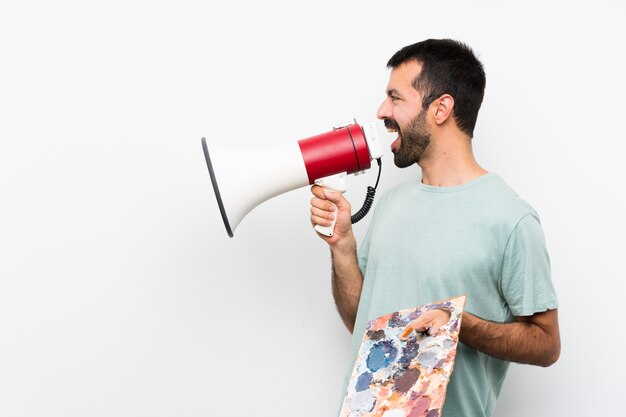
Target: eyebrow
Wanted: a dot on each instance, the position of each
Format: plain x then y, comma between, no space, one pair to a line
392,92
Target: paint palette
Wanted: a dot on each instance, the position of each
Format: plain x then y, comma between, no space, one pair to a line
400,376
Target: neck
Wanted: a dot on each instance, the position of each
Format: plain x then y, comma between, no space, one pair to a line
449,162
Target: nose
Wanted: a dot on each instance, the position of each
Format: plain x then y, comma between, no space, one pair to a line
384,111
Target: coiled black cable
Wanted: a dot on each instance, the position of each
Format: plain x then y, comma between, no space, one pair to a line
369,198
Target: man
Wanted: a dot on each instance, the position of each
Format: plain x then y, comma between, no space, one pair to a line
460,230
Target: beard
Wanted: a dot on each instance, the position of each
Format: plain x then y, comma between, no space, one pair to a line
413,141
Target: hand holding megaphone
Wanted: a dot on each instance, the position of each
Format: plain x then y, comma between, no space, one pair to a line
335,183
330,213
324,159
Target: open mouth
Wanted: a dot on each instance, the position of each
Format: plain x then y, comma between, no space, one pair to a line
392,127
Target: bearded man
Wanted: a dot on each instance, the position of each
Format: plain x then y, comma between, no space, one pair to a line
457,230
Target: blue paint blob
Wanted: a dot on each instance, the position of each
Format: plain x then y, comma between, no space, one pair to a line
363,382
454,325
440,364
440,305
381,354
396,320
409,351
428,358
414,315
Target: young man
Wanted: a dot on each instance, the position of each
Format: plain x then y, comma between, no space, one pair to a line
458,230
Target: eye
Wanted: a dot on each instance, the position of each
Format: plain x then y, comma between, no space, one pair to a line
394,98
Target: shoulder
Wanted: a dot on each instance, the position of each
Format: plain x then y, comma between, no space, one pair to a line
505,200
506,211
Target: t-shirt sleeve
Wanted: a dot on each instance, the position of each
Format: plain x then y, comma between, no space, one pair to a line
526,281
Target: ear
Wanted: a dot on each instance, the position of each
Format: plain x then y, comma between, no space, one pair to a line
443,107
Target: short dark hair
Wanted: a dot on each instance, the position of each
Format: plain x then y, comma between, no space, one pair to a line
448,67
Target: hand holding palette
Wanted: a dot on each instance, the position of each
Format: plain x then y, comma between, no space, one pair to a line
404,373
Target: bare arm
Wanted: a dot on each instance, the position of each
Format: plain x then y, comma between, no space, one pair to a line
347,283
347,280
533,340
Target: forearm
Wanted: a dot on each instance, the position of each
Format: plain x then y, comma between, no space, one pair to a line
347,282
523,341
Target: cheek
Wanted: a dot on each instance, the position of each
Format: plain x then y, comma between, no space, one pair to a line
402,119
403,113
407,116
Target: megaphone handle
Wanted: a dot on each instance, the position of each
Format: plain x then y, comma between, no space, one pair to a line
335,183
327,230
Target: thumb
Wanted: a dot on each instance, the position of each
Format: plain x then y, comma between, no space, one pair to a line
337,199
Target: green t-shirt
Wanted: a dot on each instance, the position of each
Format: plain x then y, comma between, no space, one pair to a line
429,243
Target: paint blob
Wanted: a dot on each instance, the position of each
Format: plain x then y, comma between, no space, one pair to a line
364,381
420,409
381,355
407,379
363,401
377,335
433,413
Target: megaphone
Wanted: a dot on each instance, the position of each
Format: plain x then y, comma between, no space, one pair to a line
325,159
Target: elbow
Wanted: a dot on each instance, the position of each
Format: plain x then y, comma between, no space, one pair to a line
552,356
549,361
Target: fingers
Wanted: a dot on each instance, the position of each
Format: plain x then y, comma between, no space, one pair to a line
434,328
318,191
419,325
430,323
322,217
328,207
322,205
323,211
334,197
441,316
407,332
338,200
427,330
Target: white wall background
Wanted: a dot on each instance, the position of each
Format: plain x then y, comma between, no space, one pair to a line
120,292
